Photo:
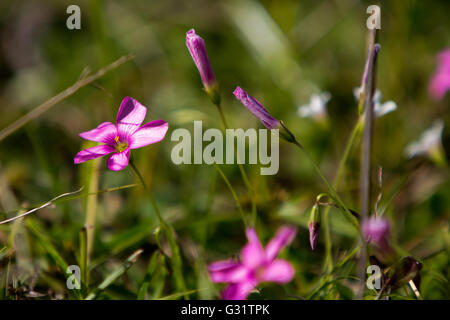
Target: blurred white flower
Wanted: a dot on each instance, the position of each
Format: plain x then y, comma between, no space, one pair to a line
384,108
380,109
317,107
429,141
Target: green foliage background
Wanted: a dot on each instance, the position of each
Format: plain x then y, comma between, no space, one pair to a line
280,52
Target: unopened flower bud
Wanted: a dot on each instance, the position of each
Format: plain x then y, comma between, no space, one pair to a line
197,49
314,226
255,107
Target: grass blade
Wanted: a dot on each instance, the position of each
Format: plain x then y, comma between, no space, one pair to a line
179,295
115,274
40,207
89,176
51,250
39,110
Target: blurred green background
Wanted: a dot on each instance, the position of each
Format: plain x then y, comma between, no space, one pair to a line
281,52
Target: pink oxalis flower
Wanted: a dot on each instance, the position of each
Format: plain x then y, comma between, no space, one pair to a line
440,82
127,134
257,265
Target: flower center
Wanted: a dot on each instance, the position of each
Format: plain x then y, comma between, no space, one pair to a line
259,272
120,145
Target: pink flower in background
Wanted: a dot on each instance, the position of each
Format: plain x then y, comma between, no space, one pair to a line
257,265
440,82
197,49
125,135
256,108
376,230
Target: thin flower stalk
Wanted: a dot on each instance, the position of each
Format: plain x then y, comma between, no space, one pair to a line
255,107
197,49
365,176
168,231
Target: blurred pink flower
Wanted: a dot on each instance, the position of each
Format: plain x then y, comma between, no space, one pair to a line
125,135
440,82
258,265
376,230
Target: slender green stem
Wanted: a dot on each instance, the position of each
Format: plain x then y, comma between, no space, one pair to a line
242,170
332,190
328,263
176,256
348,148
39,110
84,258
149,194
222,116
235,197
91,205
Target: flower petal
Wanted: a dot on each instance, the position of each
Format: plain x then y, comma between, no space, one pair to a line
376,229
118,161
92,153
197,49
283,237
253,253
129,118
222,265
440,82
280,271
429,140
238,291
255,107
105,133
314,228
149,133
227,271
439,85
381,109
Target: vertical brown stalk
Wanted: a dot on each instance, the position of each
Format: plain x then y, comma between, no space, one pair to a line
365,175
91,206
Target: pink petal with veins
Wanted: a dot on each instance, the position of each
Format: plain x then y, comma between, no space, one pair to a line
118,161
104,133
149,133
92,153
129,118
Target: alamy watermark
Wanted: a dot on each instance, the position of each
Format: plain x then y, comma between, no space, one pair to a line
374,280
74,20
374,20
74,280
229,149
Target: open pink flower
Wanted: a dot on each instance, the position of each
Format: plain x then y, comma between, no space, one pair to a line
440,82
258,265
125,135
